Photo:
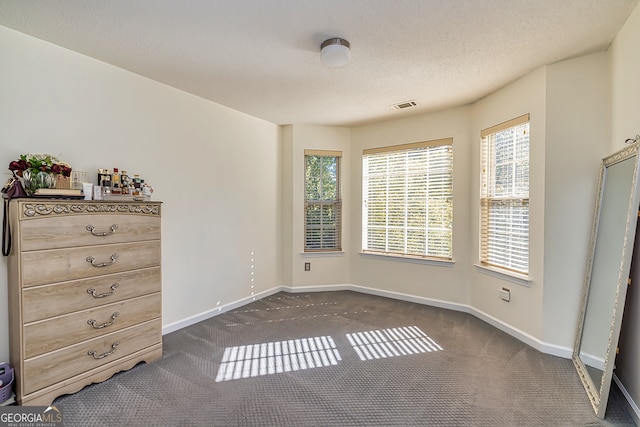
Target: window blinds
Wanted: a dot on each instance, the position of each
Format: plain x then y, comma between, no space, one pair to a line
322,203
408,199
505,195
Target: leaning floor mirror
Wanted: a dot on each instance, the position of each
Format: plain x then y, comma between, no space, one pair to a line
607,274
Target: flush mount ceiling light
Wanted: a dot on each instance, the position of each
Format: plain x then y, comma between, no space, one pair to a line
335,52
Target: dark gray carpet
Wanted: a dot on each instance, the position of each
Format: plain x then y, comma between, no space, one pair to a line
474,375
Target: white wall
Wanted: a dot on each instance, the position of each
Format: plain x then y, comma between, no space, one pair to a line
435,281
625,110
568,105
216,170
578,128
287,208
326,268
524,311
625,80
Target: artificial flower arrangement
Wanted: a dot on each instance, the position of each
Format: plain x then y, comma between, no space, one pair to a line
41,171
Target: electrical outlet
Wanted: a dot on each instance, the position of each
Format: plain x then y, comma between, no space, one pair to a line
505,294
307,266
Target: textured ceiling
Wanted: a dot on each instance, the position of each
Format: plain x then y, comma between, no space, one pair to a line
262,57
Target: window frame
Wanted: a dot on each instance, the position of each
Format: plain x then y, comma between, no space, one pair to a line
430,232
323,203
517,203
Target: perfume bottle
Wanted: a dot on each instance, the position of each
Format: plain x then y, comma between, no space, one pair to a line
115,182
136,185
106,183
124,183
102,175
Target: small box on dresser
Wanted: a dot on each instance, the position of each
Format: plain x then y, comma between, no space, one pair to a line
84,293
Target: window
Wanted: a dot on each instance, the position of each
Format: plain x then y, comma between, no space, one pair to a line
322,203
407,193
504,209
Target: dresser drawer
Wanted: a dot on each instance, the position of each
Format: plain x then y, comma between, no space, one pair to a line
51,368
58,332
87,230
58,265
42,302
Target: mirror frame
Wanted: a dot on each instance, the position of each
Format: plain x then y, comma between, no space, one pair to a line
599,393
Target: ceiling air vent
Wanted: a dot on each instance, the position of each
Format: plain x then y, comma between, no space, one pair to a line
404,105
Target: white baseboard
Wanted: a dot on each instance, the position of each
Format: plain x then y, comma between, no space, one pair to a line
534,342
555,350
191,320
635,410
539,345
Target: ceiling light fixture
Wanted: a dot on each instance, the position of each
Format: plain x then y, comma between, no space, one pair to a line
335,52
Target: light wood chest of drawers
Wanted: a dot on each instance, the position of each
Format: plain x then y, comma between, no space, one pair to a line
84,293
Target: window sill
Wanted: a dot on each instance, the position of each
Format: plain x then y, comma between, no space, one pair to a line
409,258
513,277
317,254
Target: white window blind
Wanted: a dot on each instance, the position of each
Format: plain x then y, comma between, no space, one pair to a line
505,195
322,202
407,195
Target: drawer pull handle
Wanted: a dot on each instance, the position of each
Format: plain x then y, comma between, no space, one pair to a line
103,355
93,322
92,260
92,291
93,231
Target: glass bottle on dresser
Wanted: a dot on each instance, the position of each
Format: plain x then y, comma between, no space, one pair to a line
115,183
124,183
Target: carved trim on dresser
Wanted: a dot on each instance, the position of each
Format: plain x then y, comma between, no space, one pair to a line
32,210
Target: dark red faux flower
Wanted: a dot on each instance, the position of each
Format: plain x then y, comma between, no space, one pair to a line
61,169
18,166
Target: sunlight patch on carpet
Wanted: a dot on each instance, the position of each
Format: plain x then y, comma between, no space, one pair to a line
392,342
255,360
